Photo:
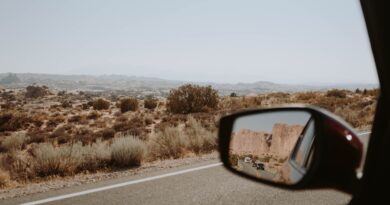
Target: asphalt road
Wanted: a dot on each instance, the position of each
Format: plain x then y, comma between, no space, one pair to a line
203,183
249,169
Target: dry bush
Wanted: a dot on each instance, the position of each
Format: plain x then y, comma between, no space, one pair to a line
50,160
128,104
168,143
192,98
85,135
93,115
136,126
85,106
107,133
150,103
55,120
100,104
148,120
336,93
14,142
94,157
18,164
66,104
170,121
306,96
37,136
199,138
13,121
36,91
127,151
79,119
4,178
279,95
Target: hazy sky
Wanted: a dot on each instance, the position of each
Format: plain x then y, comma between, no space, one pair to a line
265,122
296,42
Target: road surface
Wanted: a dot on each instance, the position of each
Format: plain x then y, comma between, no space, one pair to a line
202,183
249,169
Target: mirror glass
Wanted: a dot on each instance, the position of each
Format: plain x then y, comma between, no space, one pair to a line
275,146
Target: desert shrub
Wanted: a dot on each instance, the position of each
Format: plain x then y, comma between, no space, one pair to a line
168,143
93,115
136,126
199,139
50,160
107,133
36,91
94,157
36,136
61,93
127,151
358,91
148,120
66,104
304,96
279,95
192,98
336,93
233,159
128,104
85,106
15,141
85,135
18,164
100,104
233,94
372,92
59,131
76,118
4,178
13,121
150,103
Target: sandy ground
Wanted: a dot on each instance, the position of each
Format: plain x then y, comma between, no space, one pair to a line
85,178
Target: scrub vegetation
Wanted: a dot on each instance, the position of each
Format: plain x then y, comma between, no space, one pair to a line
46,132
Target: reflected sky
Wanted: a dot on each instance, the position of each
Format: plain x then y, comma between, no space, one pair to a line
265,121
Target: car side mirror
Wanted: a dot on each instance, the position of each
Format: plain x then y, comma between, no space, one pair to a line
291,147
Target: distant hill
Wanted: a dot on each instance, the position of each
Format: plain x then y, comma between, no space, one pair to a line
151,85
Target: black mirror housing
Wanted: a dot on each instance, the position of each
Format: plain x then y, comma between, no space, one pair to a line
338,150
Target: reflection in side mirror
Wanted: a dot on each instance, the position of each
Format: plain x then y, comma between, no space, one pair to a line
274,146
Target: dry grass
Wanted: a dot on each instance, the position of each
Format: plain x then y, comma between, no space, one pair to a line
170,142
199,139
4,178
127,151
95,156
14,142
65,140
50,160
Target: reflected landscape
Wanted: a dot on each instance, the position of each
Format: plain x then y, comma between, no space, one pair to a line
262,145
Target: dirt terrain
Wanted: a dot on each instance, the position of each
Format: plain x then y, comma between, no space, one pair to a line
47,133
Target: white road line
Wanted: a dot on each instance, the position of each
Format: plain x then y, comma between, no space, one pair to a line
121,184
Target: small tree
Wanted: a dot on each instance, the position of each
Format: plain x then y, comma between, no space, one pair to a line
100,104
233,94
150,102
128,104
336,93
36,91
192,98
